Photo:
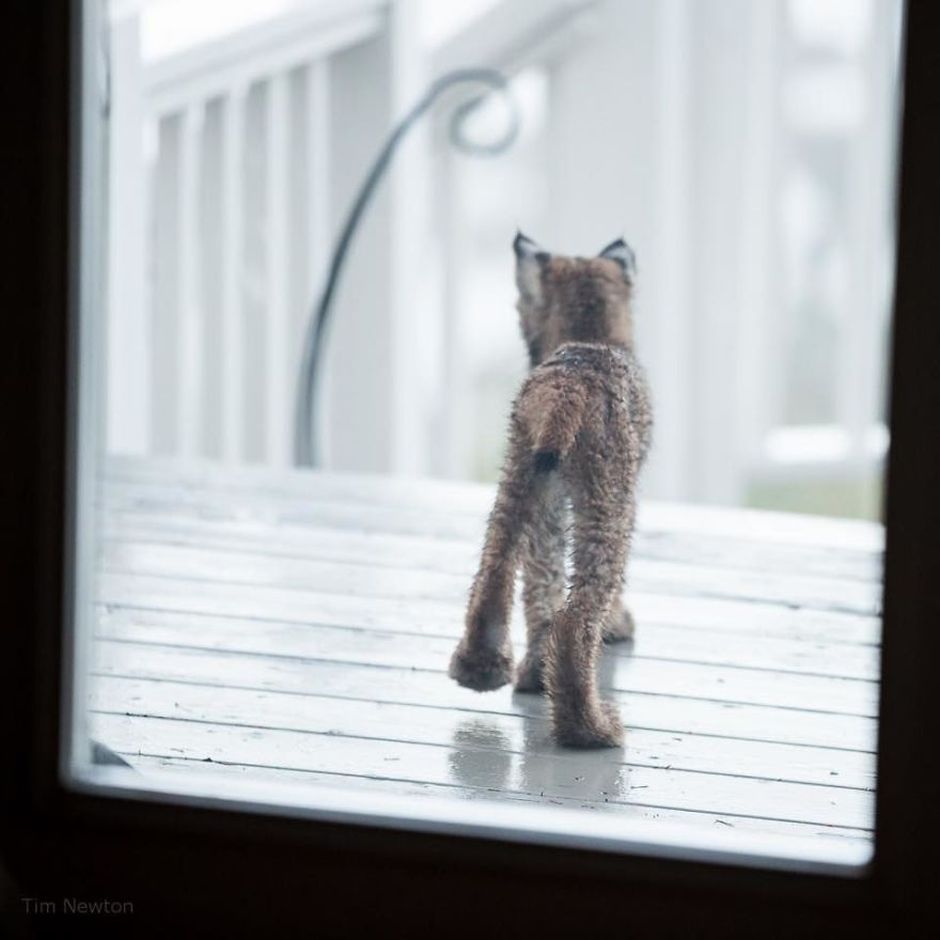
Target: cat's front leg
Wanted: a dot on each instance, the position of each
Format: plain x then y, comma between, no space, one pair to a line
483,659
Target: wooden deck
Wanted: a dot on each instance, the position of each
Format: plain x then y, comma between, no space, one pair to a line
298,626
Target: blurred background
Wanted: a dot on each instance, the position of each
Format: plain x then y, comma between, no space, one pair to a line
745,149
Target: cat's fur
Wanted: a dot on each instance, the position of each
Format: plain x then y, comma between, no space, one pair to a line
579,432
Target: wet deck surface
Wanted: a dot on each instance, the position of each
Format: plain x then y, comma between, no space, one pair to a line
298,626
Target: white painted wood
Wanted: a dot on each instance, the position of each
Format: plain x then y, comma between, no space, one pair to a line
164,508
228,310
413,308
359,372
232,334
667,318
306,33
184,767
189,480
217,669
166,366
409,577
254,274
514,34
279,364
129,385
714,71
452,415
733,796
312,638
654,640
725,616
230,535
760,325
794,691
723,32
509,734
190,339
211,221
802,589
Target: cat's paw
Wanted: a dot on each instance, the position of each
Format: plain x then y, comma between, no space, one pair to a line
619,626
602,729
530,675
481,668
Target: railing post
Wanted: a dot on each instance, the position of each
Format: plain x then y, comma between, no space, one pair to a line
128,422
668,325
190,338
279,380
165,365
358,383
412,309
759,323
450,421
232,338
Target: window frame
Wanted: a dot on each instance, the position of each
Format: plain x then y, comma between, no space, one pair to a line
242,871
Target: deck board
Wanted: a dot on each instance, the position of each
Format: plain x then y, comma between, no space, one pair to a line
261,623
225,669
664,641
384,786
512,733
430,654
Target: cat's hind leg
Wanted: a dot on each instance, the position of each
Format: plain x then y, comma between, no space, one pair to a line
543,573
603,524
483,658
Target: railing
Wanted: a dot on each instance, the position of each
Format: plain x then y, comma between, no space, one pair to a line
233,162
223,183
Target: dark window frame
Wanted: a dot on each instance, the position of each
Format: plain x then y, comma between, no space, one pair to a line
246,871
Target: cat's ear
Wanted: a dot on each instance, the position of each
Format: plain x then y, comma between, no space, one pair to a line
622,253
530,261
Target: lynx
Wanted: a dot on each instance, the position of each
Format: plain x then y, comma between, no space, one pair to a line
579,432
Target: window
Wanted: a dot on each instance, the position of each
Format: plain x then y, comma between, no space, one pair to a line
134,572
291,629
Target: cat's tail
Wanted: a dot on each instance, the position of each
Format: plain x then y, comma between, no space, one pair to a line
552,410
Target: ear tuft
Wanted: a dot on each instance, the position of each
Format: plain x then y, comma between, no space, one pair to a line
524,247
530,259
622,253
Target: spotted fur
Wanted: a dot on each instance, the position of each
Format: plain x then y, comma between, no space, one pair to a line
579,432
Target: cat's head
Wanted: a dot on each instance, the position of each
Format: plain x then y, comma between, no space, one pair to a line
563,299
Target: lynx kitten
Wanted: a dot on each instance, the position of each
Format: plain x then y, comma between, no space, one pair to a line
579,432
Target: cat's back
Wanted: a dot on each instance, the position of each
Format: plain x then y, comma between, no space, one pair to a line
589,390
611,370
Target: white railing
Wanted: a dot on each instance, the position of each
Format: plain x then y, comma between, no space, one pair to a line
224,179
234,161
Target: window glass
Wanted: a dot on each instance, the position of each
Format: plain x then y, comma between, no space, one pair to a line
288,520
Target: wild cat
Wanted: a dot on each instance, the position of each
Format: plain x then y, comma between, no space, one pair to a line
579,432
